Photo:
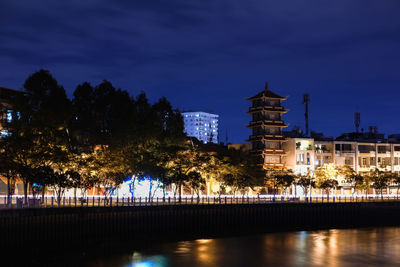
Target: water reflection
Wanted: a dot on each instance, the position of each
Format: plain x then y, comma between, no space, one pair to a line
354,247
138,260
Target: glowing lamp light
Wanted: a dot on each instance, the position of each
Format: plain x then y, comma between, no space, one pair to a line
153,261
144,264
140,188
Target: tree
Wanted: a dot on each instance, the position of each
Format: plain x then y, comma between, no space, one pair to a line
83,122
326,178
396,181
61,181
285,180
365,183
380,180
111,169
240,171
41,129
305,183
8,169
279,178
327,185
196,182
351,177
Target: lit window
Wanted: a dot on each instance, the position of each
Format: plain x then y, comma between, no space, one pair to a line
9,116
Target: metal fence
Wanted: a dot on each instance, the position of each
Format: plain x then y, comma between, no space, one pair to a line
101,201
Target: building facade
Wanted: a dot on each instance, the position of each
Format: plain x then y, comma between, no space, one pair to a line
307,154
266,126
6,112
202,125
300,156
6,117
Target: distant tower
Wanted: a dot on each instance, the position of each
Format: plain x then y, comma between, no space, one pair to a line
357,120
306,99
266,126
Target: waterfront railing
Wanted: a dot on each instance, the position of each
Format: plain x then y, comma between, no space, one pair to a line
102,201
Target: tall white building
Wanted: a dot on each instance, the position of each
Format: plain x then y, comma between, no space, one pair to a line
202,125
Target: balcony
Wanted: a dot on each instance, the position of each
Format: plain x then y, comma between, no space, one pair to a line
274,166
266,137
266,108
273,151
269,123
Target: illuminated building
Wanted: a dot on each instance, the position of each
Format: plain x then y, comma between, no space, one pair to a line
6,117
299,155
6,114
202,125
266,126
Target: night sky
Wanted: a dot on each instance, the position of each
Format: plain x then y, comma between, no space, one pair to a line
212,54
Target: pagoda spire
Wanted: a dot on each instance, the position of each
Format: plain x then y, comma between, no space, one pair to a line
266,86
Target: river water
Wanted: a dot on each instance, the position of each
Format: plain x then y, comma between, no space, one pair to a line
337,247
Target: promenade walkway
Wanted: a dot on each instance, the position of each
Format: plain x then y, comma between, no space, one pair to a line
101,201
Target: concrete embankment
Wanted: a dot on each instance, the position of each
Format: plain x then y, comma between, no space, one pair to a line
88,227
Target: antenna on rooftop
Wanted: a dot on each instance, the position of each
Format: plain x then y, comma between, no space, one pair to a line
306,99
226,136
357,120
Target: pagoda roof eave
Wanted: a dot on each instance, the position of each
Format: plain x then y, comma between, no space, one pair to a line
266,97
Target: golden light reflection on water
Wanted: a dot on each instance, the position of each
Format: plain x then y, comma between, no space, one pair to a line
351,247
183,247
205,251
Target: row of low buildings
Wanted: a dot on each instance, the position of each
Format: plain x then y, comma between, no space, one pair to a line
304,155
276,149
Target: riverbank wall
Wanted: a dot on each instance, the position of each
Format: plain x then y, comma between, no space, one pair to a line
60,228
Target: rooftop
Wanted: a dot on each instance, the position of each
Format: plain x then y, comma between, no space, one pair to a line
266,93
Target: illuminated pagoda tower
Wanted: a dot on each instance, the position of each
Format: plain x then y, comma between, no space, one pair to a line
266,126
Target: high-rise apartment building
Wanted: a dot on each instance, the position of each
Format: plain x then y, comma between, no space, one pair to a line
202,125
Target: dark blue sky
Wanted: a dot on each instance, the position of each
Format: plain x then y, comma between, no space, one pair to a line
211,54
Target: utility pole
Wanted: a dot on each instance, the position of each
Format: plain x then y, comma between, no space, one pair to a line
306,99
357,120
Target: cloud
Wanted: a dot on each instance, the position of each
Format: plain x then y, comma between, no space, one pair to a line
223,48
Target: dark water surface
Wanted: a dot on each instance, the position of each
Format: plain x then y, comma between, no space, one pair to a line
344,247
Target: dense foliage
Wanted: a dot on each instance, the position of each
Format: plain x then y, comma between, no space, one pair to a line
104,136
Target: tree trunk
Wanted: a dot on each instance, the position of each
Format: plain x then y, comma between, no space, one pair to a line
59,196
43,190
8,190
150,187
180,193
133,187
25,192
